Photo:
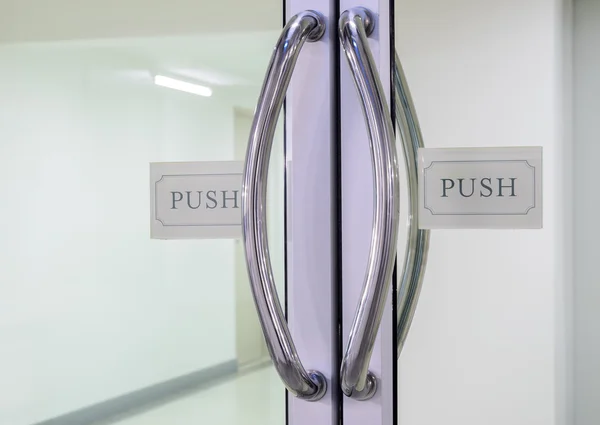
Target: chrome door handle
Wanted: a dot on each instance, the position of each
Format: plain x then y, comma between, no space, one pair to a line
307,385
356,379
417,244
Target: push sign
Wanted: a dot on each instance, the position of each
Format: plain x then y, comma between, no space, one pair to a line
480,188
196,200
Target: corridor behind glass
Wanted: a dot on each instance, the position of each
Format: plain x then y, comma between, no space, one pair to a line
93,310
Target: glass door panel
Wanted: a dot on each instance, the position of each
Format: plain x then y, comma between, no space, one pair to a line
490,341
99,322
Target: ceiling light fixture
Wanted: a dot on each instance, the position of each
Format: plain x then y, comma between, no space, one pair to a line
172,83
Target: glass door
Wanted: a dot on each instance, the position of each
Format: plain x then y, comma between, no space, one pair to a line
481,318
491,340
319,299
99,322
476,325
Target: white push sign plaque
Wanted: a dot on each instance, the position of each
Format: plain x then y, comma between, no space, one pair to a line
196,200
480,188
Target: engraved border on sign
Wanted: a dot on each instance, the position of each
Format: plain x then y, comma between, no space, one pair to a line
529,208
188,175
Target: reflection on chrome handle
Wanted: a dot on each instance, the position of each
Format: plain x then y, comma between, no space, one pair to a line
356,379
307,385
417,244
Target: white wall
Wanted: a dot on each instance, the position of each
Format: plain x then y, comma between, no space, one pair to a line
587,203
90,307
487,344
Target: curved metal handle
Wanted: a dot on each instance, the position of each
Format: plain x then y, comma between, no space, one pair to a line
417,244
307,385
356,379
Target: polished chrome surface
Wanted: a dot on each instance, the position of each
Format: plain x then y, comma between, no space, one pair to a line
308,385
356,379
417,244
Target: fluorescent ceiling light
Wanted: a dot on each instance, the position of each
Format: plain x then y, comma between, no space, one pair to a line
172,83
